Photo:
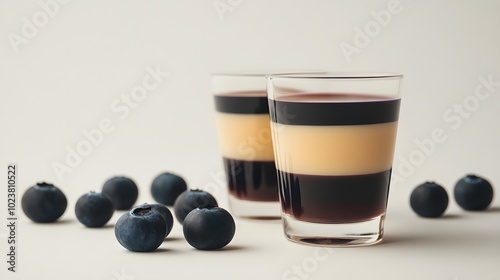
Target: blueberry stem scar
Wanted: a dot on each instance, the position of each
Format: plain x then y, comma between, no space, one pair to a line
142,211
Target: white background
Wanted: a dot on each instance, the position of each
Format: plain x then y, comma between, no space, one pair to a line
63,77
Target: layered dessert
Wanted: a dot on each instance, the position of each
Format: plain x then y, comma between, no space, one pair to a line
246,145
334,155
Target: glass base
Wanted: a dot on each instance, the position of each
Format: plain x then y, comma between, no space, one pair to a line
334,235
254,209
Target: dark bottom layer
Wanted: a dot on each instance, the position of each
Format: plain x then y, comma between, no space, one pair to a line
252,180
334,199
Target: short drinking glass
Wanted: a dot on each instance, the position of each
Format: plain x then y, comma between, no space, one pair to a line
244,131
334,136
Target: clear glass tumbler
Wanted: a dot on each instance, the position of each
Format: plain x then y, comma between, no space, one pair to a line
242,116
334,136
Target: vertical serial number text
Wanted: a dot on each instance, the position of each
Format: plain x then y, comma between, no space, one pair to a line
11,217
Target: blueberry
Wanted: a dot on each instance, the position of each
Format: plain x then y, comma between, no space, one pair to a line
141,229
429,200
209,228
94,209
122,191
167,187
165,212
192,199
473,193
44,203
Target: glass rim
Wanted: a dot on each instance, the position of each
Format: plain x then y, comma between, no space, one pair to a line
336,75
265,73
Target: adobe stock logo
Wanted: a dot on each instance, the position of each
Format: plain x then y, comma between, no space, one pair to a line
372,29
39,19
223,6
122,108
122,275
255,143
309,265
453,117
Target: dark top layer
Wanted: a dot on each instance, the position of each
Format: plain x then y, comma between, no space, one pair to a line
329,112
241,104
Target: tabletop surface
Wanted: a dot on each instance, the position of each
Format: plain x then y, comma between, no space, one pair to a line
460,245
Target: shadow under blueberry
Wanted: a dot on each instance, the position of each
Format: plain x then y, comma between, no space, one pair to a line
169,239
106,226
58,222
160,250
157,251
449,217
228,248
494,209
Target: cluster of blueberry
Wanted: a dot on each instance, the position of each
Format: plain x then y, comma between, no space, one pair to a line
143,228
471,192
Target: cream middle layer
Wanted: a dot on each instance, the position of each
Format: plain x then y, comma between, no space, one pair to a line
245,136
334,150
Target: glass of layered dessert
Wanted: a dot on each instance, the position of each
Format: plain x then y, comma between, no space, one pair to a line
244,133
334,136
